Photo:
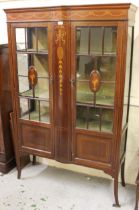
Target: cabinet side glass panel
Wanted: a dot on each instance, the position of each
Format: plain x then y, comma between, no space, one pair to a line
95,67
127,77
33,74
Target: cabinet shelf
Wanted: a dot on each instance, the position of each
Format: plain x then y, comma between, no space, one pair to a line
94,106
97,55
35,98
39,77
32,52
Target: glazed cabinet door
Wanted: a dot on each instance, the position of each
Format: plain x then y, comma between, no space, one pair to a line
94,63
33,87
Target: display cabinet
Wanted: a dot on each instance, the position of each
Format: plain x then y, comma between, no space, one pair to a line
71,74
7,158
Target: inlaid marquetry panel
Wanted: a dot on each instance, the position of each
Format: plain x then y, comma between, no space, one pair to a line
95,12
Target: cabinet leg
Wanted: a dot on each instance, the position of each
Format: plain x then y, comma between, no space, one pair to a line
34,160
19,173
137,197
123,173
116,204
19,168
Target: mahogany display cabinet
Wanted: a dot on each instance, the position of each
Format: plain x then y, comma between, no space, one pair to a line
71,75
7,158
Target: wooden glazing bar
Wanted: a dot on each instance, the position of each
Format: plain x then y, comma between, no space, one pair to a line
100,118
26,43
94,99
29,108
39,110
89,40
36,35
87,117
103,41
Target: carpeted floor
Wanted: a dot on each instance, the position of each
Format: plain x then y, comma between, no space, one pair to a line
50,188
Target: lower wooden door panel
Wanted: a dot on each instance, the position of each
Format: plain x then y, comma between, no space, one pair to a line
38,138
92,148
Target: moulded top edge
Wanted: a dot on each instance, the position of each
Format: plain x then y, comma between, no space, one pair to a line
74,7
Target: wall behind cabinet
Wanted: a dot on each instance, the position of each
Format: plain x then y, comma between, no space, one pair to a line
132,156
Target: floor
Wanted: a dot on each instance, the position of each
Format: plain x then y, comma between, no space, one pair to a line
50,188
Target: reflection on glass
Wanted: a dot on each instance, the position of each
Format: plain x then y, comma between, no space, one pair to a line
24,111
31,39
42,88
24,88
44,111
22,64
105,95
20,38
96,40
110,36
94,119
81,114
34,109
41,64
42,39
85,64
82,38
107,120
83,93
88,118
106,66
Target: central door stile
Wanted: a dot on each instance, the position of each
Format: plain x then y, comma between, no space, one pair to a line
62,91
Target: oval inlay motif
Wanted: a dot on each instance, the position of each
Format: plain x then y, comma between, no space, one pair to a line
95,81
32,76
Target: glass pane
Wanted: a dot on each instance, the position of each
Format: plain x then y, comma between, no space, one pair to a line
84,93
110,36
81,114
85,64
105,96
42,39
82,40
96,40
20,38
24,88
22,64
24,110
44,111
106,67
41,64
88,118
94,119
31,39
127,77
42,88
107,120
34,109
